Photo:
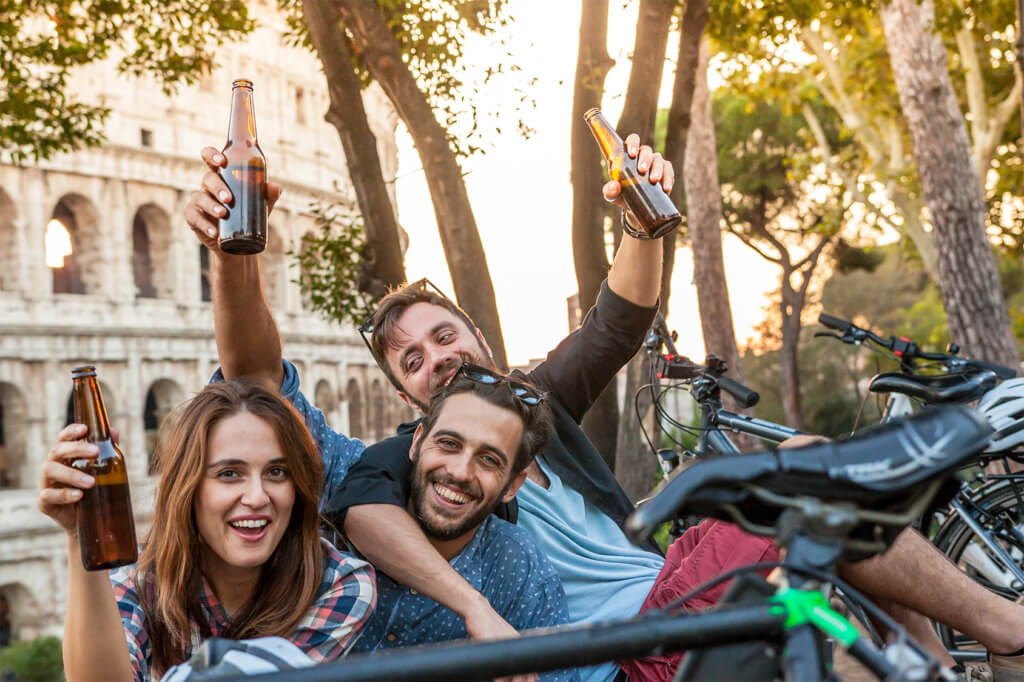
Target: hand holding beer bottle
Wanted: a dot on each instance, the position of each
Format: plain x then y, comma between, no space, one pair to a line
90,498
229,214
643,182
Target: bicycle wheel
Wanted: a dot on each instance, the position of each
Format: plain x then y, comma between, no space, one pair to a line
998,510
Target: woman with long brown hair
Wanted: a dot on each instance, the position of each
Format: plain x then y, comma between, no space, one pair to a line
233,551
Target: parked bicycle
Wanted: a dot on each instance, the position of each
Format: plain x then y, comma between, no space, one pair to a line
982,531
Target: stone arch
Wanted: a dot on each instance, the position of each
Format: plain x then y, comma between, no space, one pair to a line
8,243
13,415
275,269
18,608
162,397
326,401
378,407
83,270
356,417
151,249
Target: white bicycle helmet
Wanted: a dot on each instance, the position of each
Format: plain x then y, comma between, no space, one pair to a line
1003,406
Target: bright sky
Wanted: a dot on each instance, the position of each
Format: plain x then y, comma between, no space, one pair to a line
522,198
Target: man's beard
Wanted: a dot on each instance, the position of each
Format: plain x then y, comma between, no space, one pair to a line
421,487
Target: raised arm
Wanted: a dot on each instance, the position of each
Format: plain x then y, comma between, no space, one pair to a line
582,365
95,647
248,342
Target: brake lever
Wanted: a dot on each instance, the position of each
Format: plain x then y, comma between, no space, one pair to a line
832,334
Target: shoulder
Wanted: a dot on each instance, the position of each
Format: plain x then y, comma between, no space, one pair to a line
339,564
123,580
389,446
348,585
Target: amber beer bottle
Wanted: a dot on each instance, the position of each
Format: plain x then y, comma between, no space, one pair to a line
106,527
244,229
651,206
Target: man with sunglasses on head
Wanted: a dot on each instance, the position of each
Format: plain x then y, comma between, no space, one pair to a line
468,454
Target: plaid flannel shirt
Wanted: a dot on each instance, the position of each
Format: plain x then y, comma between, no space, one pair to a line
342,607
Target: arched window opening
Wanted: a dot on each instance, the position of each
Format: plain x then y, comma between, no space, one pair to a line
150,423
161,399
75,250
60,258
152,246
12,436
378,409
142,263
354,398
325,401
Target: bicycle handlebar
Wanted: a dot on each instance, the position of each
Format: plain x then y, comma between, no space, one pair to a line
907,351
834,323
747,397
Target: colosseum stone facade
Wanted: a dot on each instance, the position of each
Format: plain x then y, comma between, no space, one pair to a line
133,299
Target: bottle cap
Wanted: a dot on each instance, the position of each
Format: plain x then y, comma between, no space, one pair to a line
83,371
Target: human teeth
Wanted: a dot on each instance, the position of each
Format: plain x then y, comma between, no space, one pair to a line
249,523
451,495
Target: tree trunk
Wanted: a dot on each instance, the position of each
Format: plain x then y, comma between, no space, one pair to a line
704,218
791,305
968,277
649,44
635,464
695,18
589,258
383,263
455,221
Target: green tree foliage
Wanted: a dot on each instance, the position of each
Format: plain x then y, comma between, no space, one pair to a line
330,264
836,48
38,660
783,202
43,43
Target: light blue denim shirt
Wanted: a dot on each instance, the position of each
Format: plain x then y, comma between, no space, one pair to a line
338,452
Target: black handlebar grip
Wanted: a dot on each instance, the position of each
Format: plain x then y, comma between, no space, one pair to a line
839,324
745,396
645,519
1000,371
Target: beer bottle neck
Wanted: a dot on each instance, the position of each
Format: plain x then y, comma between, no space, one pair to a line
89,409
604,133
242,126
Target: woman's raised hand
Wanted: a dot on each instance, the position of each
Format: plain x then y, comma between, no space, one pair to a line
61,485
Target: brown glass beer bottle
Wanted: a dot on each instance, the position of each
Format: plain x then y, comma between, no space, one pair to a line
106,527
244,229
651,206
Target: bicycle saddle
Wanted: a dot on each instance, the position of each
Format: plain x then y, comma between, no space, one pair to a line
884,472
938,389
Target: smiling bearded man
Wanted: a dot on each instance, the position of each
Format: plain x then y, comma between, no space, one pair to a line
469,454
